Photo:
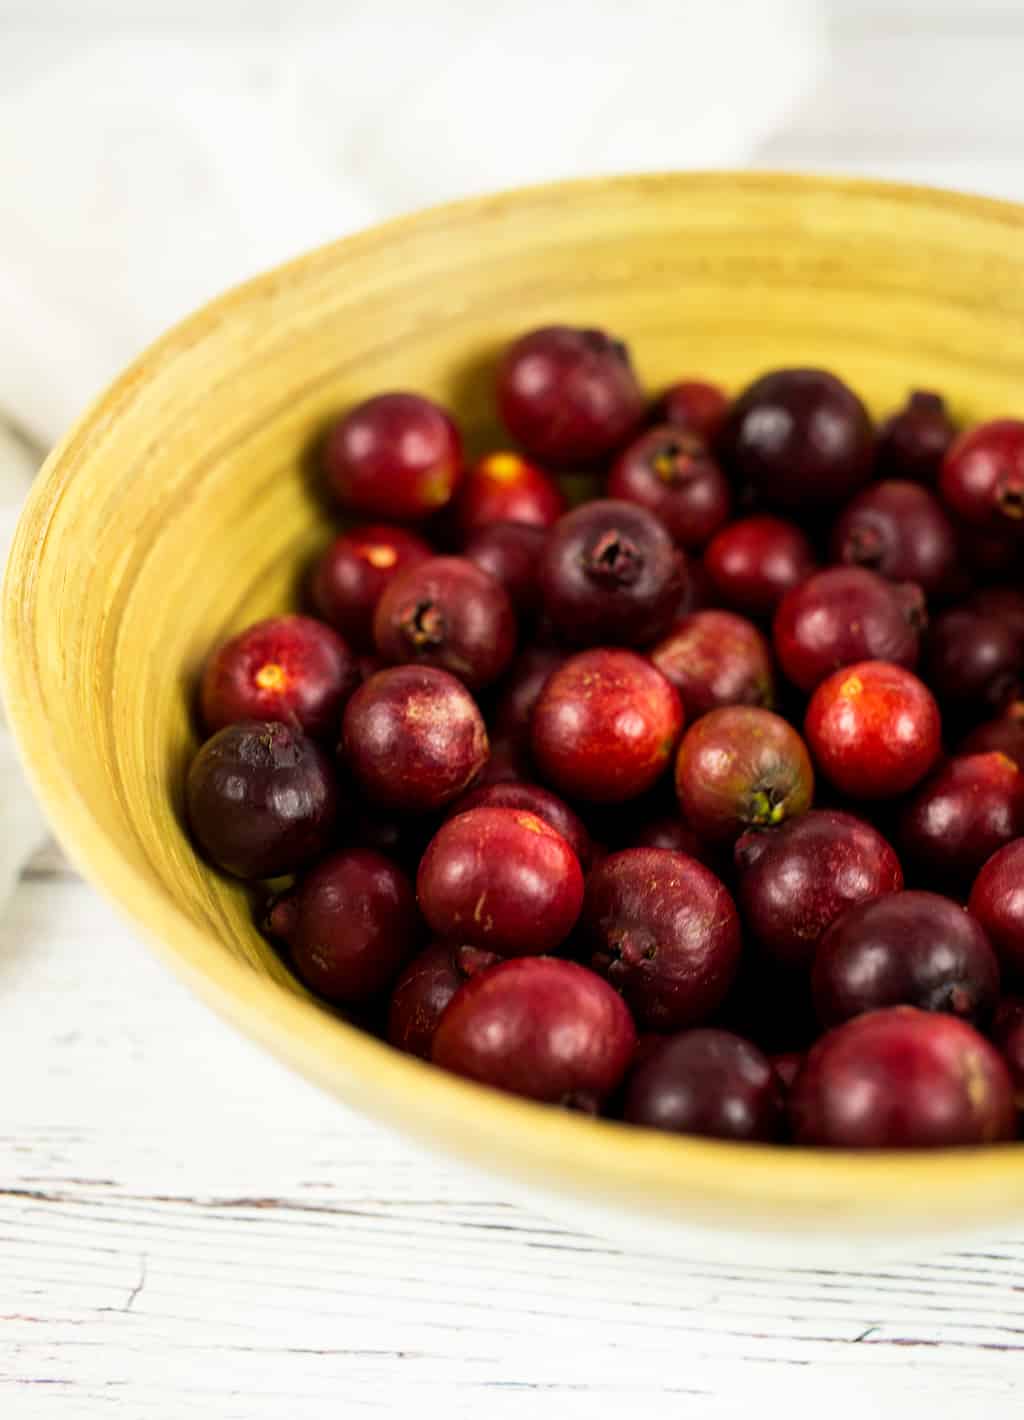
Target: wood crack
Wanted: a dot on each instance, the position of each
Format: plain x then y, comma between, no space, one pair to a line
137,1289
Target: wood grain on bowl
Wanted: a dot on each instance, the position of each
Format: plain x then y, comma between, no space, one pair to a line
176,510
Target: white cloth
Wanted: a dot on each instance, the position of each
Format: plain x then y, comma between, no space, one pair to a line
148,165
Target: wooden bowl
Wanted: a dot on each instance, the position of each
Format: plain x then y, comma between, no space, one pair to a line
182,504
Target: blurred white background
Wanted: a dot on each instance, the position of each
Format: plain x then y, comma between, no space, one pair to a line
151,154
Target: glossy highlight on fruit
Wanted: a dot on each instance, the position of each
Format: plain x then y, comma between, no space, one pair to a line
673,474
906,949
797,880
708,1082
753,562
844,615
664,931
800,437
504,487
741,767
982,479
610,574
568,395
502,879
351,925
537,1026
874,730
413,738
535,800
288,668
716,658
997,902
261,799
972,805
394,456
448,614
605,726
902,1078
900,530
350,575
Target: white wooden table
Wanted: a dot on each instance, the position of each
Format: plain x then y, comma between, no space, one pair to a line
186,1229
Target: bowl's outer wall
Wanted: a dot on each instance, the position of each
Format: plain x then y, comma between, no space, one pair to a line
183,503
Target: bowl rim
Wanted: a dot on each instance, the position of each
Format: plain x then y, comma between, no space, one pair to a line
609,1164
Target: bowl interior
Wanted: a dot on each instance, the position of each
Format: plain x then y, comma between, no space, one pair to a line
183,503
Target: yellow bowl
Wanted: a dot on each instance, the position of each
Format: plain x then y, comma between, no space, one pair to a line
182,503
